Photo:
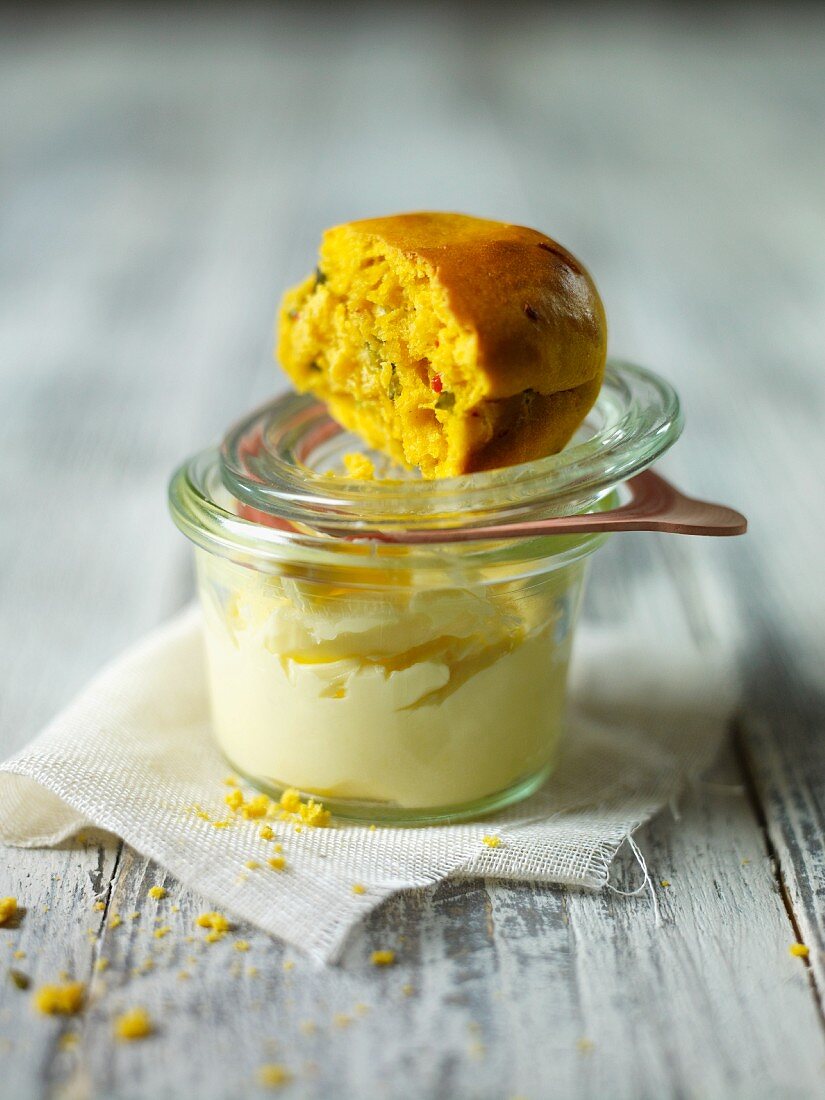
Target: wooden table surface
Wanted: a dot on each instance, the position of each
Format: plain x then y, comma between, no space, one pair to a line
164,174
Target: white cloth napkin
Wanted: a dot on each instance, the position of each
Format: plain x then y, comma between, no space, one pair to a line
133,755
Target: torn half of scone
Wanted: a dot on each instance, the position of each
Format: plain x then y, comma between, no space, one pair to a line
450,343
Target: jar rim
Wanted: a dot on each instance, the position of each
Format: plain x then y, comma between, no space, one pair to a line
271,467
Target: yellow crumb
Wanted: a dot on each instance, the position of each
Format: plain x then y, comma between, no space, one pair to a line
234,799
277,862
221,824
664,883
265,832
408,990
216,921
60,1000
68,1041
134,1024
231,781
299,829
19,954
252,972
340,1019
382,958
135,915
313,813
252,864
745,862
242,945
101,964
8,910
157,892
361,1009
585,1045
291,800
183,975
217,924
272,1076
256,807
175,908
115,921
277,847
163,931
309,1027
357,888
289,965
359,466
100,906
492,841
373,828
800,950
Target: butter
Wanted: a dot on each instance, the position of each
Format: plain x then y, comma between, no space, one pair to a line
417,698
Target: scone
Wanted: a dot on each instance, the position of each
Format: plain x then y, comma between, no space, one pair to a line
451,343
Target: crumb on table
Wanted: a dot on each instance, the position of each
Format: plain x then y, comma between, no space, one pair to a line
133,1024
382,958
60,1000
8,910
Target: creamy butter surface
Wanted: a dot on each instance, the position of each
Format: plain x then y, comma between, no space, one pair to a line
418,698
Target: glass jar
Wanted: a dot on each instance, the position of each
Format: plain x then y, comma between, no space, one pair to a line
397,681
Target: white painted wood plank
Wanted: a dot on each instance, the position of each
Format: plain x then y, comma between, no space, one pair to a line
162,181
676,1008
499,990
57,934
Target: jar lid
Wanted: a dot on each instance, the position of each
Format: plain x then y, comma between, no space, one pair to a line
271,480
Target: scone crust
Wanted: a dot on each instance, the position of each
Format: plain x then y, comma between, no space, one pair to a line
538,317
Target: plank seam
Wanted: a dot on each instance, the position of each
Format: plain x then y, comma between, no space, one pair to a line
98,944
740,750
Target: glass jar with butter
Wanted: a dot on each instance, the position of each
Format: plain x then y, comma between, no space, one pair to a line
397,682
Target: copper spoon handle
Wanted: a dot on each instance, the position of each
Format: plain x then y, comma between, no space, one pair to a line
654,505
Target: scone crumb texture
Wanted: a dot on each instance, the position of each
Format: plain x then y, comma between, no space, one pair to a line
133,1024
60,1000
8,910
382,958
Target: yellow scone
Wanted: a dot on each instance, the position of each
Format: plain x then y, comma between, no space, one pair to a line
451,343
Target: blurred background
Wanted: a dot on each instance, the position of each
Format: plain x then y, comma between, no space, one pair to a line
166,171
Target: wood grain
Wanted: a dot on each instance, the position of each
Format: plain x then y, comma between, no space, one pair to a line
164,175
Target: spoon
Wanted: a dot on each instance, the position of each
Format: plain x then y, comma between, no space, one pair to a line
654,505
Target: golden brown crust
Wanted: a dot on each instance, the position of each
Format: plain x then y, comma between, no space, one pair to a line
529,429
537,314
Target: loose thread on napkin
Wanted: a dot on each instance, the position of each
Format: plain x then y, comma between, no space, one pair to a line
646,884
